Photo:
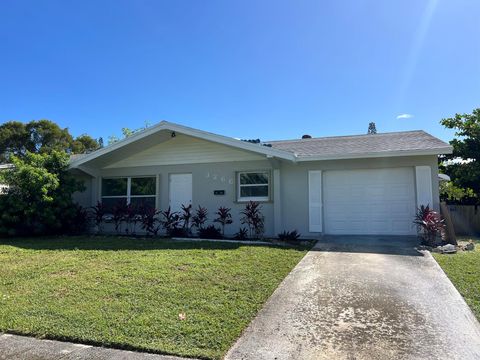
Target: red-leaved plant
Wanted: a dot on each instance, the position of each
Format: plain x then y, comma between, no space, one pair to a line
430,224
252,217
224,217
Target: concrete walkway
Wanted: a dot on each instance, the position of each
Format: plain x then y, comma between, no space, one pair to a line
363,298
16,347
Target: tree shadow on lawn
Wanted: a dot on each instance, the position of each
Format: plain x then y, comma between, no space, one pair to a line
121,243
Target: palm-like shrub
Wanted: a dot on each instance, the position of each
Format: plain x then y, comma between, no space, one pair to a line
430,224
200,217
252,217
224,217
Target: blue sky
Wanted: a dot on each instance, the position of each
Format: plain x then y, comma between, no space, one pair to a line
249,69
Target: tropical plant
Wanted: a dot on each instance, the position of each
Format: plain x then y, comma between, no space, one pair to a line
252,217
224,217
170,220
200,217
99,211
430,224
131,217
241,234
209,232
289,236
118,214
149,220
186,217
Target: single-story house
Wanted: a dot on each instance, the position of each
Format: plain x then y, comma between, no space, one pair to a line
361,184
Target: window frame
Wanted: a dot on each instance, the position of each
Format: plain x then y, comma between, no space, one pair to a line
254,198
128,196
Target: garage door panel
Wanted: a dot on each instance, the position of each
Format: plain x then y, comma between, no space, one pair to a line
380,201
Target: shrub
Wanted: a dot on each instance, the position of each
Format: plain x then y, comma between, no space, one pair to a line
118,214
200,217
254,219
131,217
242,234
77,222
149,220
185,217
430,224
289,236
170,220
39,197
210,232
99,211
224,217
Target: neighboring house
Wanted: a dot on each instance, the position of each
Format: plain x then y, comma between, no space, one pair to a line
363,184
4,187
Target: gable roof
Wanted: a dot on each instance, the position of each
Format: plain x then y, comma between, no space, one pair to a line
327,148
168,126
416,142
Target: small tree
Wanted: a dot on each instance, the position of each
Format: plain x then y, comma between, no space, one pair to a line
464,164
224,217
39,196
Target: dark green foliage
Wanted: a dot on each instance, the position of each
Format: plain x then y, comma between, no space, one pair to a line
224,217
252,217
465,174
98,212
170,220
242,234
289,236
149,220
39,198
118,213
210,232
42,136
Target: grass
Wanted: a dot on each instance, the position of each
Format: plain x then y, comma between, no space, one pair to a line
128,293
463,269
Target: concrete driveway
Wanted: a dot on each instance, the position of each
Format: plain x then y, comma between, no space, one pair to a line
363,298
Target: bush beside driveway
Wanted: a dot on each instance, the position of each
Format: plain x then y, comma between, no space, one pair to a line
182,298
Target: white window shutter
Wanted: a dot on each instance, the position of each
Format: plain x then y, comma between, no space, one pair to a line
315,200
423,176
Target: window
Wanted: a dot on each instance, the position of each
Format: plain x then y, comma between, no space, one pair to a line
253,185
138,191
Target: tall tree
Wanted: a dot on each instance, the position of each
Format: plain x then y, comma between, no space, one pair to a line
41,136
14,140
463,165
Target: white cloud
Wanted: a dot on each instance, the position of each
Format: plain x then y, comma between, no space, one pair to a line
404,116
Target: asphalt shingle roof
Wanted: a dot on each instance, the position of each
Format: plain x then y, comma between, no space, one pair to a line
361,144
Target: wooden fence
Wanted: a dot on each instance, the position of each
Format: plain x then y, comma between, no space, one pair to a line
465,219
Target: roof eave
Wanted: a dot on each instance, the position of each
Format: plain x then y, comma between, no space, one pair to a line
164,125
383,154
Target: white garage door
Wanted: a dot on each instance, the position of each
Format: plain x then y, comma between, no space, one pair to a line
369,201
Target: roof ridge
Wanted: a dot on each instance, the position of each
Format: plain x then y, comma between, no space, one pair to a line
345,136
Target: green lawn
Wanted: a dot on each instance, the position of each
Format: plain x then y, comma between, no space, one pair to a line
129,292
463,269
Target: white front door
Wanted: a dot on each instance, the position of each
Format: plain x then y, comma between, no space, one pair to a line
380,201
180,191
